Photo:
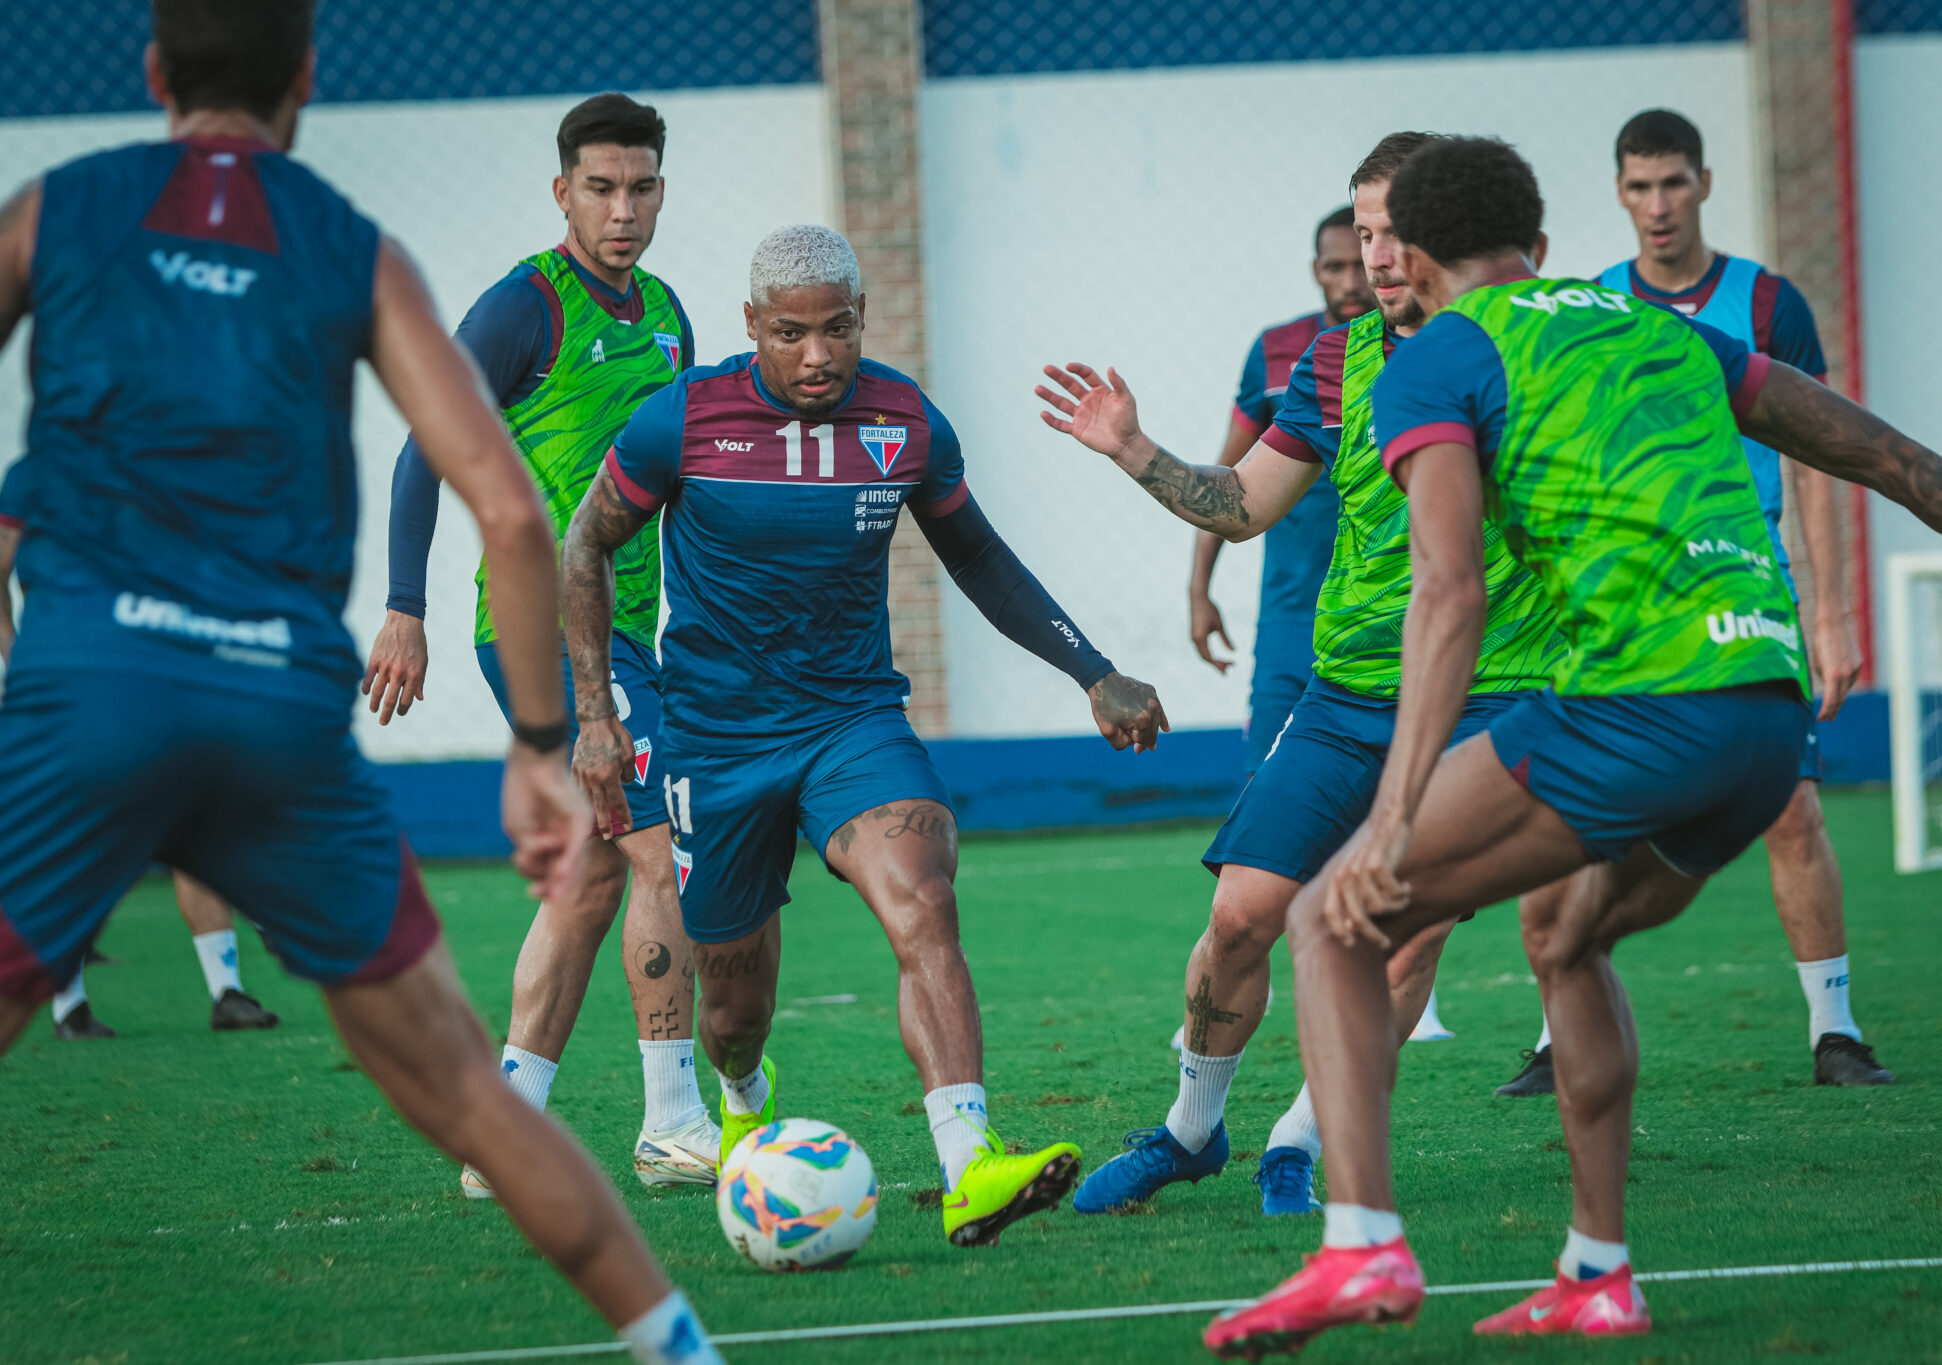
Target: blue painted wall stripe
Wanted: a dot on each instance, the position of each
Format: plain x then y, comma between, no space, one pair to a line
451,810
1885,17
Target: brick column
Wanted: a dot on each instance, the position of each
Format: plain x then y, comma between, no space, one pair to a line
1805,140
872,54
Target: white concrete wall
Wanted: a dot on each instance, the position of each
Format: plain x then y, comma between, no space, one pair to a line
1156,220
467,187
1898,115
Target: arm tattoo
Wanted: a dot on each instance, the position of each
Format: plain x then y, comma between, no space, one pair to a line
1811,423
1209,496
604,523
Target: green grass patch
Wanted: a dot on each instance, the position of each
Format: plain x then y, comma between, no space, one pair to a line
182,1196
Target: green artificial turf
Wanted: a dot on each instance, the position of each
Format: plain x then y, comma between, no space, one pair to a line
181,1196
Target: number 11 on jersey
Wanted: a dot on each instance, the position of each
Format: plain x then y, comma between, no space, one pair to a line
825,448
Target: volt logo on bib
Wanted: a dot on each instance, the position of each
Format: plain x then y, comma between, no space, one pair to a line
206,277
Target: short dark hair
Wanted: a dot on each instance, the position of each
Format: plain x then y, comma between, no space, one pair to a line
1660,132
1461,198
1343,217
231,54
610,118
1387,157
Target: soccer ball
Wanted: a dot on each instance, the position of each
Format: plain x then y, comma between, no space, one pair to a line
797,1195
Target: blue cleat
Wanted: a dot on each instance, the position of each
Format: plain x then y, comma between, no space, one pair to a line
1287,1180
1152,1161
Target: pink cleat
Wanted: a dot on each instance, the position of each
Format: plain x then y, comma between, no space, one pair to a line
1336,1286
1609,1306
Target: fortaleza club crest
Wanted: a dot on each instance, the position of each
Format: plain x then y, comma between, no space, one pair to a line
684,863
643,755
885,444
670,349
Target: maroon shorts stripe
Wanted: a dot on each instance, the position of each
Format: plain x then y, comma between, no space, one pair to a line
22,976
414,927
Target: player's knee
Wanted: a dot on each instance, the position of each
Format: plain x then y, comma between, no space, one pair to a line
1801,828
925,917
1245,925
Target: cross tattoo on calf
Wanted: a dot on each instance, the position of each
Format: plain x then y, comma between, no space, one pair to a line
1201,1006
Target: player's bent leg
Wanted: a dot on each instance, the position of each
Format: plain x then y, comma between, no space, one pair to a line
1479,837
556,960
738,981
1807,894
213,931
420,1043
1226,996
679,1143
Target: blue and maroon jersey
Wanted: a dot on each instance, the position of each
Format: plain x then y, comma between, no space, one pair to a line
1296,549
199,310
775,532
1760,310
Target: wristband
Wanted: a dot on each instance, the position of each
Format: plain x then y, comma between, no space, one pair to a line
542,739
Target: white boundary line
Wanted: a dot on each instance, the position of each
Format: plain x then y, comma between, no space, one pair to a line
1145,1310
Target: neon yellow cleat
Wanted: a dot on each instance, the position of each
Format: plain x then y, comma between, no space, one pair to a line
997,1190
735,1127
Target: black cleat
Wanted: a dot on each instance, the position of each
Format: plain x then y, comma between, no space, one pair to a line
81,1023
236,1010
1535,1079
1841,1060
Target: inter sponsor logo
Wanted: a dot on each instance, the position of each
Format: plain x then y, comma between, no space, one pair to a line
877,507
237,640
207,277
884,444
1727,626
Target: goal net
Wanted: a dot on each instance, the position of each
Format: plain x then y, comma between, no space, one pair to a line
1915,707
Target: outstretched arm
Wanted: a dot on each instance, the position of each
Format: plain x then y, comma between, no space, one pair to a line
1442,633
437,388
1809,422
1004,590
1235,504
605,522
1833,647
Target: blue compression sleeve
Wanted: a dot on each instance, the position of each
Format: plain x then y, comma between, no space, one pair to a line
1003,589
509,331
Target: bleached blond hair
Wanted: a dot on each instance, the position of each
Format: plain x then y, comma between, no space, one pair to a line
800,255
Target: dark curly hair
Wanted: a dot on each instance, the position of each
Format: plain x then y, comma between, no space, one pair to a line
1464,197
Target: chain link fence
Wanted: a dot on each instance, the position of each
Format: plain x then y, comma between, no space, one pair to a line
1136,185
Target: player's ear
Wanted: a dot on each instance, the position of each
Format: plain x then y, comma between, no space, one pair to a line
1539,250
158,86
305,84
559,191
748,320
860,298
1705,183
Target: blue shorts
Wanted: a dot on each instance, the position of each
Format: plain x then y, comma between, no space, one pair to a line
736,815
1810,756
1319,779
637,701
1284,659
267,800
1697,775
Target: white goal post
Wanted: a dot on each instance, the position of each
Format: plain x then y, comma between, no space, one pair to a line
1915,707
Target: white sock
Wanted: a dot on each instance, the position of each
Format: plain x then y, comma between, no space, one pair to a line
960,1126
217,953
668,1077
529,1074
1297,1127
745,1094
669,1333
1586,1258
68,997
1204,1082
1544,1038
1825,984
1351,1225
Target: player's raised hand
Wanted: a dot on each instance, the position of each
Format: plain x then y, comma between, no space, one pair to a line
1834,654
1128,711
546,819
1362,882
601,760
1098,413
395,676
